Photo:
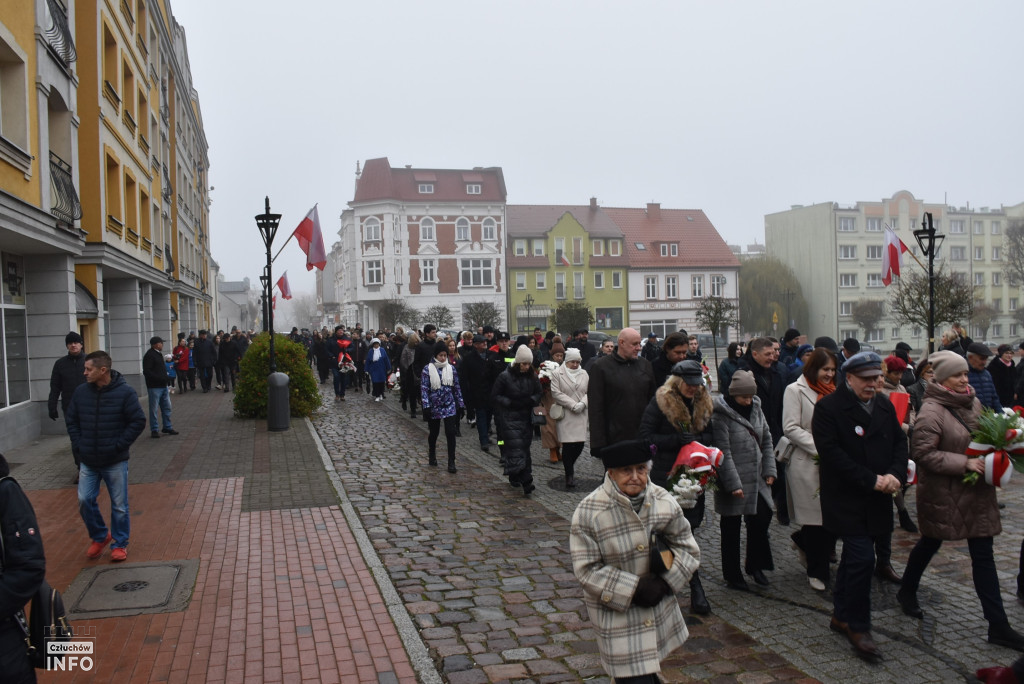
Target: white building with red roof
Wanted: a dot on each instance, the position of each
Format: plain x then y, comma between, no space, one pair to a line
423,236
676,258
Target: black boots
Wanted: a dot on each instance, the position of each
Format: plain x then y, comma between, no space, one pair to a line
1001,634
432,456
908,602
451,465
906,522
698,600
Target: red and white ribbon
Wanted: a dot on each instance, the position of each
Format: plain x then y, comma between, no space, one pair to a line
998,469
911,473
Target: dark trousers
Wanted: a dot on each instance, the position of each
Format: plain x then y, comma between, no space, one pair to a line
182,377
323,369
642,679
983,569
450,424
851,595
218,373
695,515
226,376
570,452
378,389
759,550
483,421
192,378
883,549
779,492
205,377
817,543
340,382
14,662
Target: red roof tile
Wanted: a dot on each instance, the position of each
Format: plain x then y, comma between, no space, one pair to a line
535,220
378,181
700,245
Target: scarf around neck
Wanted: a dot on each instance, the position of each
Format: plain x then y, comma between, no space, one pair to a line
440,374
822,388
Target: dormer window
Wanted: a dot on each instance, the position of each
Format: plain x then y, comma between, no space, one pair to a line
664,249
472,188
614,248
426,188
673,249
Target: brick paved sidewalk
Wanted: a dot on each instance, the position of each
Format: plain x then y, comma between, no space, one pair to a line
283,593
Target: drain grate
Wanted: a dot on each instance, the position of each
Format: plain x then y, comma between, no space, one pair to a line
134,585
132,588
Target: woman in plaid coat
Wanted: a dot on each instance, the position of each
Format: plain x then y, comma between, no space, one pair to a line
633,605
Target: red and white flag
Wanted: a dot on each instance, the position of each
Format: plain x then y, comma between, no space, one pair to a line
564,260
311,240
892,255
283,286
273,302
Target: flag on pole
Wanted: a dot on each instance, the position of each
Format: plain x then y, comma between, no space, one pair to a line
283,286
892,255
311,240
564,260
273,302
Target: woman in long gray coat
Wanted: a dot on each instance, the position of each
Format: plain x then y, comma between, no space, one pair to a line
744,480
569,390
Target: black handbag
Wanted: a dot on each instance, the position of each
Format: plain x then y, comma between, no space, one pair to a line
537,417
661,555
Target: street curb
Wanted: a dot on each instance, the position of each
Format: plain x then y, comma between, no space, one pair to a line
418,655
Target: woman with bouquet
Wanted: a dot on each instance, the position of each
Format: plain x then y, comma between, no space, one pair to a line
812,539
948,508
680,413
744,480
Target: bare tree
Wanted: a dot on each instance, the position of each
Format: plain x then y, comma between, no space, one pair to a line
478,314
983,316
1013,252
866,313
440,315
395,311
954,299
767,286
714,314
572,316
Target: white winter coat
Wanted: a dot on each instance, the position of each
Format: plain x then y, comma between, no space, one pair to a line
567,391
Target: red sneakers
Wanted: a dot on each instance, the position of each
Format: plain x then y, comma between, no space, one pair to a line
118,555
96,548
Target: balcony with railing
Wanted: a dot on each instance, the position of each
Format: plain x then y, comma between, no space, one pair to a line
59,38
129,121
559,290
63,196
143,144
111,96
578,292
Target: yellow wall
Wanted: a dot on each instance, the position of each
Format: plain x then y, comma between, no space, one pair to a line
20,26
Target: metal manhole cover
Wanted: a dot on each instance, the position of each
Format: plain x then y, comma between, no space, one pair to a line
134,585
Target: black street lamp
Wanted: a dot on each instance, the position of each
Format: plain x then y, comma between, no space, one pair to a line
267,223
529,308
265,281
929,241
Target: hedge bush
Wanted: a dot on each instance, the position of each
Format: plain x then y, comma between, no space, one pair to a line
251,390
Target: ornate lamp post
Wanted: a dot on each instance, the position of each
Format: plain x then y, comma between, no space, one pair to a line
528,302
929,241
278,410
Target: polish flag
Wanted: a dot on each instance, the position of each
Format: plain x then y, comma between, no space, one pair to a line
273,302
892,255
311,240
564,261
283,286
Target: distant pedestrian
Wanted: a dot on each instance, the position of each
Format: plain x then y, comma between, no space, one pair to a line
728,366
980,378
672,351
227,359
441,400
68,373
409,382
1003,374
621,385
154,371
514,395
549,431
377,366
104,419
569,391
651,349
205,356
182,354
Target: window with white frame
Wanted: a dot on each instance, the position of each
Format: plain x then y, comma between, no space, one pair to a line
895,333
997,330
560,258
979,278
615,248
462,229
876,335
997,278
650,287
846,334
617,280
538,248
673,249
14,349
578,291
490,230
476,273
375,272
894,223
997,253
874,280
979,227
847,224
664,249
1013,303
979,253
520,280
847,251
996,227
426,188
542,280
718,286
519,246
427,229
956,226
958,254
845,308
597,247
873,252
997,304
696,286
428,271
577,251
559,285
371,229
472,188
847,280
1013,330
873,224
598,280
671,287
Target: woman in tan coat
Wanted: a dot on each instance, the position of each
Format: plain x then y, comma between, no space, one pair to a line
947,508
569,390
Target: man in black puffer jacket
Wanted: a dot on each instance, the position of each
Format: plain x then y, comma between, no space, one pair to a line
104,419
515,393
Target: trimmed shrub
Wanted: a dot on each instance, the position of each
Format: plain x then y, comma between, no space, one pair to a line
251,391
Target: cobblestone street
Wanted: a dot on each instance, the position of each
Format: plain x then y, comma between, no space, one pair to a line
486,575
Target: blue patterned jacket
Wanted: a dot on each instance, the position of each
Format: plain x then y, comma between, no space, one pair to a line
441,402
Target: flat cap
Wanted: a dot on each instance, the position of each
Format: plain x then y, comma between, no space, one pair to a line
864,365
690,372
979,349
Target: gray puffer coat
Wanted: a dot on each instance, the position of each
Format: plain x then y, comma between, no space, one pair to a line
749,459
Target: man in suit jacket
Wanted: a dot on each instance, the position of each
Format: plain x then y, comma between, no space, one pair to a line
863,462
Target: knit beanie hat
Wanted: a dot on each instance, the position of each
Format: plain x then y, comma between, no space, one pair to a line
573,354
947,364
439,346
73,337
557,348
524,354
742,384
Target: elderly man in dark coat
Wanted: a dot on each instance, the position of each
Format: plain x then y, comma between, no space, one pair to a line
621,385
863,462
204,354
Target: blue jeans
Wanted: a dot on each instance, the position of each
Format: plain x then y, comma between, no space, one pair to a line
340,382
116,479
483,420
159,396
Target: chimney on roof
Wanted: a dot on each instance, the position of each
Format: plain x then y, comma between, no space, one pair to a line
654,210
593,203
